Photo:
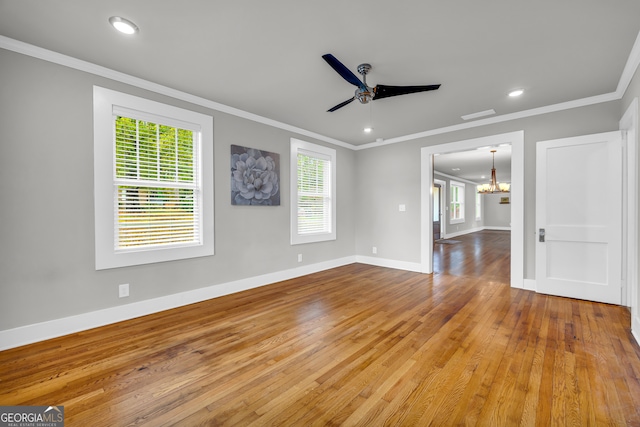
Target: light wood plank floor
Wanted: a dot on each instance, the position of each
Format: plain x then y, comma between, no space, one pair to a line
356,345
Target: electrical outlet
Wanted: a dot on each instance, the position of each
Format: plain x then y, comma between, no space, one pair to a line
402,208
123,290
299,257
374,250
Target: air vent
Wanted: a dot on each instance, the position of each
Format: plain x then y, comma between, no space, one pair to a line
478,115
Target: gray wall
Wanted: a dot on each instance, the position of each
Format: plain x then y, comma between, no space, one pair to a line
46,213
397,176
46,184
633,91
470,222
496,214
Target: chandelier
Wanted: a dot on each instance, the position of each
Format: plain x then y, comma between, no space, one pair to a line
494,186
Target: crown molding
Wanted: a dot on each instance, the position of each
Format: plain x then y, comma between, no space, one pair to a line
98,70
633,62
455,178
598,99
631,66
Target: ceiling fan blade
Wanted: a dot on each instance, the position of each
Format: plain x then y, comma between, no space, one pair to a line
383,91
343,71
342,104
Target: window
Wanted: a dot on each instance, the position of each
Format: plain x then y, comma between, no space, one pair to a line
313,189
478,206
456,210
153,169
436,203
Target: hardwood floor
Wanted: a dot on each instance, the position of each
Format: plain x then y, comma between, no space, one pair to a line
356,345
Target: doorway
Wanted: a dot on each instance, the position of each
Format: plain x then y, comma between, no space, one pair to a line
516,139
439,188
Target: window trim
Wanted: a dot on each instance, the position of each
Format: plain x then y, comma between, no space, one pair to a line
105,101
463,188
296,147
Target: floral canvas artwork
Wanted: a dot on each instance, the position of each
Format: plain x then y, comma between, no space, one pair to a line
255,177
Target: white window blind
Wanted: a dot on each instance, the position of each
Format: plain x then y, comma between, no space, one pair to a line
313,189
156,185
153,181
314,193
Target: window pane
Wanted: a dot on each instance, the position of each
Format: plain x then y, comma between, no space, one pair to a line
457,201
148,215
155,216
314,202
126,148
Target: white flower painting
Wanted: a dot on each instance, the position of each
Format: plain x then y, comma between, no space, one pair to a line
254,177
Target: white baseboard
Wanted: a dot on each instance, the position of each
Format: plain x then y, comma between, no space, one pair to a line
28,334
489,227
474,230
449,235
389,263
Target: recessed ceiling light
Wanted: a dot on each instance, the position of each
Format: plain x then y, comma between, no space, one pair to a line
516,92
123,25
368,129
455,169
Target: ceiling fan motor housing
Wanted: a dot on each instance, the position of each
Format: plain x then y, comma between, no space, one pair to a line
364,96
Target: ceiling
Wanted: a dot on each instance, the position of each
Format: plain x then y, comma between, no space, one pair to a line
265,57
475,165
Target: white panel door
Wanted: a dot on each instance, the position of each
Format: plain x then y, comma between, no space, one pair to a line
579,217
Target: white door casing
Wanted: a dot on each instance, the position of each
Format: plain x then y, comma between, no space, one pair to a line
579,207
629,125
516,139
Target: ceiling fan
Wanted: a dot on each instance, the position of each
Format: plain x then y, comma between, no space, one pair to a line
364,93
